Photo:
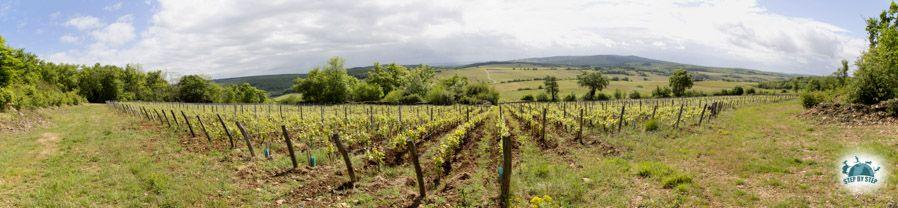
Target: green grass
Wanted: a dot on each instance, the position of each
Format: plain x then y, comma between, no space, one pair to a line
756,156
90,156
509,84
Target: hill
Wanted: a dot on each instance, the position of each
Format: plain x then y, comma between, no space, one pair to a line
501,73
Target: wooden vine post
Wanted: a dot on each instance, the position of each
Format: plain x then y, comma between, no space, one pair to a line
677,124
203,127
419,175
506,170
246,138
580,131
702,116
336,139
187,121
620,122
228,132
290,147
542,133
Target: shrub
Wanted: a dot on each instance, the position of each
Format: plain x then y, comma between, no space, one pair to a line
411,99
811,99
542,97
528,98
393,97
618,94
570,97
635,95
601,97
652,125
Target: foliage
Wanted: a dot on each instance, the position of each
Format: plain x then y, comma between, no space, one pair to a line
570,97
618,94
542,97
635,95
592,80
528,97
551,86
811,98
330,84
876,78
661,92
366,91
679,81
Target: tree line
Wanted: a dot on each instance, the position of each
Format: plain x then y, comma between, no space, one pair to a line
875,79
26,81
390,83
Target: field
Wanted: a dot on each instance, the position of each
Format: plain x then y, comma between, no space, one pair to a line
756,152
512,82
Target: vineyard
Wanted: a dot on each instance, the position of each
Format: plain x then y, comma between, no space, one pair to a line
411,154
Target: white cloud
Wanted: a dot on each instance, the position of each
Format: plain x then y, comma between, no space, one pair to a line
84,22
114,7
115,34
71,39
240,37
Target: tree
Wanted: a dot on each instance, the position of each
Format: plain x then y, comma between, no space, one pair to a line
366,91
661,92
594,81
842,73
330,84
680,80
194,89
876,77
389,77
551,84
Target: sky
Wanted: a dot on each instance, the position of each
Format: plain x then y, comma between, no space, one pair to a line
228,38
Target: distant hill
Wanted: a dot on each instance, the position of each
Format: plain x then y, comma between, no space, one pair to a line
596,60
280,84
636,62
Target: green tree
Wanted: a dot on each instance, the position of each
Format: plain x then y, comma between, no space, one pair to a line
592,80
551,86
100,83
680,80
330,84
366,91
195,89
842,73
389,77
876,77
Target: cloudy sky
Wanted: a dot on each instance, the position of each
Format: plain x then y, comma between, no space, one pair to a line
227,38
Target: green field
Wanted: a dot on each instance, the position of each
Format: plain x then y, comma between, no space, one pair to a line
763,155
513,83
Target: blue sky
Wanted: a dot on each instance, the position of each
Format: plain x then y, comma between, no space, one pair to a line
227,38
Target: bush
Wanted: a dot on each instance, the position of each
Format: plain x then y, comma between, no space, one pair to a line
289,99
528,98
393,97
652,125
601,97
411,99
542,97
570,97
635,95
750,91
618,94
810,99
439,96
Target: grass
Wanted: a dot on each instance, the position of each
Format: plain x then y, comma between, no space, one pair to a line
514,84
89,156
756,156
